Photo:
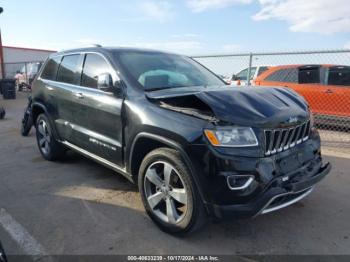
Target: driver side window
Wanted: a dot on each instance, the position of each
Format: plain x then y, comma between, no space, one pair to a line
94,66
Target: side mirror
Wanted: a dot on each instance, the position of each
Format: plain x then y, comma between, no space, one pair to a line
105,82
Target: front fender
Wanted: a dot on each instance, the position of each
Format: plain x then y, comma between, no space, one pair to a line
174,145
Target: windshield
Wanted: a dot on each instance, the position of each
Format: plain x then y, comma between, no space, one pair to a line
153,70
242,75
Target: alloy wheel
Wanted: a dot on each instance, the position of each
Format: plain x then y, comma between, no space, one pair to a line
166,193
44,137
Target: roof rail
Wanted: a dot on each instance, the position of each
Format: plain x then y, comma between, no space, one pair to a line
79,47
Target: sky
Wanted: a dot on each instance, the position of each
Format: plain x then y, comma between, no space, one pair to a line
190,27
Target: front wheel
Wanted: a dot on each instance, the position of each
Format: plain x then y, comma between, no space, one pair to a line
168,193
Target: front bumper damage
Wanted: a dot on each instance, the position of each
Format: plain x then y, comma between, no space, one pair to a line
278,181
278,195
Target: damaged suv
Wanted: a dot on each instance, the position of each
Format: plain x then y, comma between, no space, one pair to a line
195,146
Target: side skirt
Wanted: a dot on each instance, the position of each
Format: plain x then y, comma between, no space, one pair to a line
98,159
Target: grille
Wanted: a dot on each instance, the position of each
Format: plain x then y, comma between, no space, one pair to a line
278,140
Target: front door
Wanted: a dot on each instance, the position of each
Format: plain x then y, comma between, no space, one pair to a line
98,115
311,86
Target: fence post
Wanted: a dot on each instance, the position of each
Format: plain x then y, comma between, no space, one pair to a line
249,68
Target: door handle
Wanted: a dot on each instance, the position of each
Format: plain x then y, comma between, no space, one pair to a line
328,91
79,95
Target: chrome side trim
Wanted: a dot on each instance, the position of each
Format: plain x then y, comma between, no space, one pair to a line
266,210
99,159
244,186
89,133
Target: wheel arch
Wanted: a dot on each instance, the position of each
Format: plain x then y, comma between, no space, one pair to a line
144,143
39,108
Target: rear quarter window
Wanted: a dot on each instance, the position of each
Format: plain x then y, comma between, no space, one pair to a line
50,69
339,76
292,76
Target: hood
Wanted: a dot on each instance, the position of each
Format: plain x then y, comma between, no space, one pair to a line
247,106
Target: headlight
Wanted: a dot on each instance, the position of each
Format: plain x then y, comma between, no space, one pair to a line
232,137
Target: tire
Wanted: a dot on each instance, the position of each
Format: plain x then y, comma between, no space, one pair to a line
2,254
27,123
165,202
48,146
2,112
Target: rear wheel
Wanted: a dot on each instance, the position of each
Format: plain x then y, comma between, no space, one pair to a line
168,193
49,147
2,112
27,123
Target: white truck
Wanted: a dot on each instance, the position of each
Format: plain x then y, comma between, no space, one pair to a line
240,79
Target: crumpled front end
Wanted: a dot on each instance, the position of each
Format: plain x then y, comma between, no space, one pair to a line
259,151
242,187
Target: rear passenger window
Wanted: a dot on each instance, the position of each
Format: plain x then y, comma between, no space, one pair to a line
50,70
68,68
94,66
292,76
278,76
339,76
288,75
309,75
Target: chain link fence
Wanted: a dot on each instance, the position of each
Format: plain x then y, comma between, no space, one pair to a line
321,77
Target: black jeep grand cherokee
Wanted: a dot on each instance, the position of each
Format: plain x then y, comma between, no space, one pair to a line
194,146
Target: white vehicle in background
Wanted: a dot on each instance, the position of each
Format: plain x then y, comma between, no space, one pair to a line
26,75
240,79
225,78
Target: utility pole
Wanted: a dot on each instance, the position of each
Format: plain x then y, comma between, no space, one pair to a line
2,53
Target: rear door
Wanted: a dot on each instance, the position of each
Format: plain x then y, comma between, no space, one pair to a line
47,82
67,81
311,85
98,114
338,90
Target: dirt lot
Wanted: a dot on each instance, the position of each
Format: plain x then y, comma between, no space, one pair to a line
79,207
